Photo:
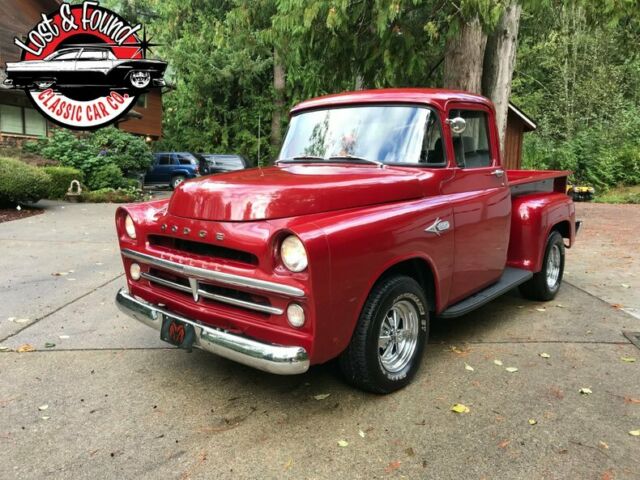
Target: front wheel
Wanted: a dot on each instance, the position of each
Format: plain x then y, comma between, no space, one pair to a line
177,180
139,79
386,348
545,284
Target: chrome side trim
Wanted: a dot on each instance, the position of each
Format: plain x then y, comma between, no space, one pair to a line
213,296
263,356
220,277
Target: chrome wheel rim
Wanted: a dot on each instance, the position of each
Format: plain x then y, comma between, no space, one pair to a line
398,337
178,181
140,79
553,267
44,84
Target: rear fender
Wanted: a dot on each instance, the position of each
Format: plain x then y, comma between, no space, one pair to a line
533,218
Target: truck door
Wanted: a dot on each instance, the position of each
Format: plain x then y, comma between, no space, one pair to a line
481,201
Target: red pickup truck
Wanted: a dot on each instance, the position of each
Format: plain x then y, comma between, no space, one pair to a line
384,209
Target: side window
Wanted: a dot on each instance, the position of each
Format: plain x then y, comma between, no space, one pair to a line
472,148
432,146
164,160
184,160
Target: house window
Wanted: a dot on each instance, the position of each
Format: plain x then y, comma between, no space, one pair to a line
22,121
142,101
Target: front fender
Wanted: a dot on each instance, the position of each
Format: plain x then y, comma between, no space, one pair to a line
532,219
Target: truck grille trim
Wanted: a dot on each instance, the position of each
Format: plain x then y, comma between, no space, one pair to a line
218,277
213,296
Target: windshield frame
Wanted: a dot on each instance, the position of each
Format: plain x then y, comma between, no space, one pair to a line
432,110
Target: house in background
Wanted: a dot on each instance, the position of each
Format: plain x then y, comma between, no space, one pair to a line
19,121
517,125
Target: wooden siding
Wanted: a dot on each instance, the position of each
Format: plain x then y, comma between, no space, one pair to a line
151,122
513,142
18,17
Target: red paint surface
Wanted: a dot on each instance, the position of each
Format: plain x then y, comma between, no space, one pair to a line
356,222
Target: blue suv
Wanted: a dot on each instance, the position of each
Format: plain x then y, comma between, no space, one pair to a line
172,168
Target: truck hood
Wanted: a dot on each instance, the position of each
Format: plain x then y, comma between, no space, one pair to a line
289,191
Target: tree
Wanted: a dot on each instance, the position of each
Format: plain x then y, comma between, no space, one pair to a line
498,65
464,57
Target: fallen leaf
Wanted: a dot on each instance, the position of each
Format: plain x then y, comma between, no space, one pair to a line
559,305
631,400
532,421
617,306
410,452
634,433
25,348
624,285
498,362
504,443
541,309
361,433
459,408
43,407
289,464
22,320
607,475
545,355
321,396
511,369
468,367
343,443
45,418
3,348
628,359
603,445
585,391
392,466
63,337
49,345
11,319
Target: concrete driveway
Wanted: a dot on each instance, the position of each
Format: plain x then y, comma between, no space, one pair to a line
120,404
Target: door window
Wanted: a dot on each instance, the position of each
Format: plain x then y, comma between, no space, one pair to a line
472,147
91,55
432,146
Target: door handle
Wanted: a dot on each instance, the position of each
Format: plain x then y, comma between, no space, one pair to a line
498,173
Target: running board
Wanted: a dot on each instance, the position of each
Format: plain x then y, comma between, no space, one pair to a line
511,278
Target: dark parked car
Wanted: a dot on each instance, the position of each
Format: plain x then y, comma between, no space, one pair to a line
72,67
220,163
172,168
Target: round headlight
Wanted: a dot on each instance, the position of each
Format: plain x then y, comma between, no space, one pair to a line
293,254
130,227
295,315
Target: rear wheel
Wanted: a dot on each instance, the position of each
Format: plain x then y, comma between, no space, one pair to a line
545,284
386,348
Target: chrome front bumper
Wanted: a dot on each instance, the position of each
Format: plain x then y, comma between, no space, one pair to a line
263,356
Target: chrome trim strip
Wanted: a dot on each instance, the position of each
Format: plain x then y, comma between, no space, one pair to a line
263,356
221,277
214,296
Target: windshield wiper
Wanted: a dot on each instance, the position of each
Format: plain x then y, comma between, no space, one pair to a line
358,159
300,157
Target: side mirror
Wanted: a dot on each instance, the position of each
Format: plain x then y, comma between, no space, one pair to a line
457,125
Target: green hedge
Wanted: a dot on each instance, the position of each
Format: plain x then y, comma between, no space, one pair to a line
111,195
20,183
61,178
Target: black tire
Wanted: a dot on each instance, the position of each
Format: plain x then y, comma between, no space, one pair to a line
177,180
361,363
538,288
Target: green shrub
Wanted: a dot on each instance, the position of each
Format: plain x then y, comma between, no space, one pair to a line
61,178
111,195
106,176
105,157
20,182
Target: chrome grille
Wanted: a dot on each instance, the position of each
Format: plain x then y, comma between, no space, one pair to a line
196,291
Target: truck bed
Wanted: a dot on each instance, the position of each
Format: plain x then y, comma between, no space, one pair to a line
523,182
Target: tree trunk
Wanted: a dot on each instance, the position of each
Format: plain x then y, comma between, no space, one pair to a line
499,61
278,107
464,56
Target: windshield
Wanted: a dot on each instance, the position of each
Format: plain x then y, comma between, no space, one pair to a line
387,134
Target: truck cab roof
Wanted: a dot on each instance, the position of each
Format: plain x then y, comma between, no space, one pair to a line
435,97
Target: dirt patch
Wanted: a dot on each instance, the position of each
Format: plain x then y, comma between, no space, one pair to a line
8,214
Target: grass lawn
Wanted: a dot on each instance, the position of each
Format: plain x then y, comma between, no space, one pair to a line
620,195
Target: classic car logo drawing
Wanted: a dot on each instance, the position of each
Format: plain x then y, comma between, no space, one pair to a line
83,66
